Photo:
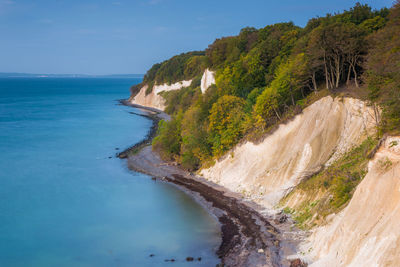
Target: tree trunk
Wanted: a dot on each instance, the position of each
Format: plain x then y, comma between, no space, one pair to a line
348,75
332,76
326,73
377,119
277,113
314,82
291,95
337,70
355,75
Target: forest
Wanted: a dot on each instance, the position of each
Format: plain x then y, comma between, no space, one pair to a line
266,76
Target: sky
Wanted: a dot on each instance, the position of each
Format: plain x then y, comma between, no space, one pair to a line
121,36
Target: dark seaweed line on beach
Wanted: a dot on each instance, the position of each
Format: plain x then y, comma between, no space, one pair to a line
238,225
150,134
244,231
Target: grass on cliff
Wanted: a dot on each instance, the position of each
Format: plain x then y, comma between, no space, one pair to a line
330,190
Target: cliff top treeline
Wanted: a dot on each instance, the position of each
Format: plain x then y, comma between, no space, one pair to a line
264,76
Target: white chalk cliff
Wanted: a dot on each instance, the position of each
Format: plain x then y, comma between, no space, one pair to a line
367,231
207,80
154,99
265,172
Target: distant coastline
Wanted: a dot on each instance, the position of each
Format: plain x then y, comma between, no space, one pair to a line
49,75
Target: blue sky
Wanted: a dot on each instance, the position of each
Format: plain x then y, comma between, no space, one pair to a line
109,37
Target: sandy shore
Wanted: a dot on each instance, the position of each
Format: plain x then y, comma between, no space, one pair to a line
249,238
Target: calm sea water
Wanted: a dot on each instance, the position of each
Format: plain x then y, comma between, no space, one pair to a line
63,202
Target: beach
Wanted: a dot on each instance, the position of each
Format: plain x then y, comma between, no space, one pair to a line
249,238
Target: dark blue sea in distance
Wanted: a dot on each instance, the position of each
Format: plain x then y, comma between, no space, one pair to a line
63,202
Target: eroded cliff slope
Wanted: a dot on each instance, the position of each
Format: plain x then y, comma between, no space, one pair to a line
267,171
366,232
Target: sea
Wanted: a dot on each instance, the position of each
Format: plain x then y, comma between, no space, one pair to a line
66,200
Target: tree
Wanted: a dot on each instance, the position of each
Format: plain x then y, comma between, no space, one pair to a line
383,71
354,48
226,123
252,98
290,78
168,140
195,148
194,66
374,24
359,13
267,105
336,45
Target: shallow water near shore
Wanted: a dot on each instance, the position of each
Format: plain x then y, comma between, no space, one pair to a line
63,202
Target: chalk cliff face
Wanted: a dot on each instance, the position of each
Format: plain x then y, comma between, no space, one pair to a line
207,80
265,172
366,232
154,99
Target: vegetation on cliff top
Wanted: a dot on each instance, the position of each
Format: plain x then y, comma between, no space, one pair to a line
265,76
383,71
185,66
329,191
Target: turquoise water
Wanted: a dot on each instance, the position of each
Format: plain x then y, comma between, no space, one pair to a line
63,202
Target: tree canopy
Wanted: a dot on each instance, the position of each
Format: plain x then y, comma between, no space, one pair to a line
263,75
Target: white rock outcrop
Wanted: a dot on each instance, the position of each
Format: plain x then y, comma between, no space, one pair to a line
175,86
366,232
207,80
154,99
265,172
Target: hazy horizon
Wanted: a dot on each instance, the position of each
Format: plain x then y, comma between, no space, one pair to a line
4,74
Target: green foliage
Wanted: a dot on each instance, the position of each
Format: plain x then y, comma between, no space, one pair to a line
222,51
168,140
284,90
181,67
265,76
134,90
244,62
359,13
229,78
267,104
383,71
373,24
180,100
252,98
227,119
330,190
336,48
195,148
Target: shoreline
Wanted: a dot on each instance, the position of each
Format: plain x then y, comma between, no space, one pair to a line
248,237
153,115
